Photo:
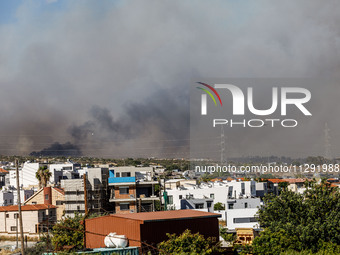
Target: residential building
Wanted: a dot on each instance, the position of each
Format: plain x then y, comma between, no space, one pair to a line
60,170
241,213
49,196
261,189
24,195
6,197
74,196
218,191
3,174
27,176
97,192
132,189
35,218
198,204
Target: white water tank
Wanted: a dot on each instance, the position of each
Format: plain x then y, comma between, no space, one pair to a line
113,240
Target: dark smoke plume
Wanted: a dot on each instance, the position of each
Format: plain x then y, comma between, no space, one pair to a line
57,149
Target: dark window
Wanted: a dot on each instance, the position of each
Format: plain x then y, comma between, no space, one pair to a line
170,200
209,204
126,174
180,196
244,220
34,203
124,207
243,191
10,201
123,191
212,196
230,206
78,207
13,228
46,197
58,202
117,174
199,206
7,215
16,216
245,205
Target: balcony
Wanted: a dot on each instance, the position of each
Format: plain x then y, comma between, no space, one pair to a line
122,180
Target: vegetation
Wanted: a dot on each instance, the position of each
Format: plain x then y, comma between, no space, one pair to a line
188,243
69,232
219,206
43,175
301,223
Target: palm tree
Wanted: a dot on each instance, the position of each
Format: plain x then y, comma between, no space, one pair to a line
43,175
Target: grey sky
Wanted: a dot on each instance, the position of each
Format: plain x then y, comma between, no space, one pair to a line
119,73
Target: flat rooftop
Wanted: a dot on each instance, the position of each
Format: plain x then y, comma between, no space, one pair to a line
167,215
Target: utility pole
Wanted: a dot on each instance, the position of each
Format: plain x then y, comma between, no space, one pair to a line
85,200
19,209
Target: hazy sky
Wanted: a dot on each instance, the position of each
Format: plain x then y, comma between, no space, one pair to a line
113,77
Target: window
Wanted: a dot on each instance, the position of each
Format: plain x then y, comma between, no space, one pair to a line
209,204
230,206
243,191
245,205
7,215
46,197
34,203
16,216
78,207
123,190
212,196
13,228
117,174
5,201
245,220
58,202
126,174
199,206
170,200
124,207
180,196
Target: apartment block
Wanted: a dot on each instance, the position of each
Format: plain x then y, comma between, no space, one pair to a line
132,189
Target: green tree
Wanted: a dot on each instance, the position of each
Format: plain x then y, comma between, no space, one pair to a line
43,175
299,222
70,232
188,243
283,185
219,206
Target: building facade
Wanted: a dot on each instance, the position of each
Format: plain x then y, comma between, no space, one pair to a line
132,189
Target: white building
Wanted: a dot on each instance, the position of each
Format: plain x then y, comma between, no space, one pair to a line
218,191
26,175
6,198
58,170
241,213
34,218
9,196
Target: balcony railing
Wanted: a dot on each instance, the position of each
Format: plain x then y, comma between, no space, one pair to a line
121,179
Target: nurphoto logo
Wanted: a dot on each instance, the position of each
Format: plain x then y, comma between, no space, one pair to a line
288,97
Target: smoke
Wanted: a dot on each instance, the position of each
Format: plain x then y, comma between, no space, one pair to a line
163,117
57,149
112,78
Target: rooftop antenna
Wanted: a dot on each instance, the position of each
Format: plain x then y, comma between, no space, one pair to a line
327,137
222,147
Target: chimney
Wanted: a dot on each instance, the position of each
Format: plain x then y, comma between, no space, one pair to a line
47,195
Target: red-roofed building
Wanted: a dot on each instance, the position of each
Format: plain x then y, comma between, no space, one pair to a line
49,196
35,218
151,227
